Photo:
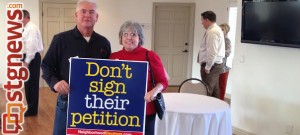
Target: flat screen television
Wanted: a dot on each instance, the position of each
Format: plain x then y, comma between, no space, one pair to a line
271,22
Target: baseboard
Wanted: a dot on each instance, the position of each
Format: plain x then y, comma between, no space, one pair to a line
238,131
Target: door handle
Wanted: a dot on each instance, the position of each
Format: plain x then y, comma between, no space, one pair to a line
185,51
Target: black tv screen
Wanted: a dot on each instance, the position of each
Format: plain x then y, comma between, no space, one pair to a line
271,22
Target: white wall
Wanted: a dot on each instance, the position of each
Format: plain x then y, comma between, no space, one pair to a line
265,95
141,11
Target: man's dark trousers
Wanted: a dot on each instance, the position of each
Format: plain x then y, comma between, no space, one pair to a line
32,86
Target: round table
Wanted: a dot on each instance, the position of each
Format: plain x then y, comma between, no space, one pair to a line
194,114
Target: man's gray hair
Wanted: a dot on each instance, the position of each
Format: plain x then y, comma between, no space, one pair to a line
82,1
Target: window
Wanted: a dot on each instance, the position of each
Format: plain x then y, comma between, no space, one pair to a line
232,32
232,24
231,35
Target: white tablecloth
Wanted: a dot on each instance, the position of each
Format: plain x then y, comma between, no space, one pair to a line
193,114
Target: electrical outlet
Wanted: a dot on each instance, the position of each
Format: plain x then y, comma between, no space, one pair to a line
289,129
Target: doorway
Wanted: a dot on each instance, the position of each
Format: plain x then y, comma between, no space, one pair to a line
173,33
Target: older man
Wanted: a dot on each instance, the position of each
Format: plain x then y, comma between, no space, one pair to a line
81,41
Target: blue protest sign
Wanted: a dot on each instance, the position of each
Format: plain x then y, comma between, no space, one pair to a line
106,97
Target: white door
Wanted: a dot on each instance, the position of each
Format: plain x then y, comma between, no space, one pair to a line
172,38
57,17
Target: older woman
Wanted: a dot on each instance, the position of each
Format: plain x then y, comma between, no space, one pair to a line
224,76
131,36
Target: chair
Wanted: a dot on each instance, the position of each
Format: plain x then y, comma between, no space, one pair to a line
193,85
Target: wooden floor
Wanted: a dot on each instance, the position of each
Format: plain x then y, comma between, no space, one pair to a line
42,124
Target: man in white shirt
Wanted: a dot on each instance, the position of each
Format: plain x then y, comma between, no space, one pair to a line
211,53
32,41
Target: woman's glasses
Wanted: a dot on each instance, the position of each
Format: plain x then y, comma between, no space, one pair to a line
126,34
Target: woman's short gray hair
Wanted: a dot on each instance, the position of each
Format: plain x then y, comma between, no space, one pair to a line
134,27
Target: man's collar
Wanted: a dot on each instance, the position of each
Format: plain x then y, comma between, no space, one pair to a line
77,33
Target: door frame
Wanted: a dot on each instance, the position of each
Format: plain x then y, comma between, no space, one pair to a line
191,30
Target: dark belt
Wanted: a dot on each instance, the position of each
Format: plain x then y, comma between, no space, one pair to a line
24,56
215,64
